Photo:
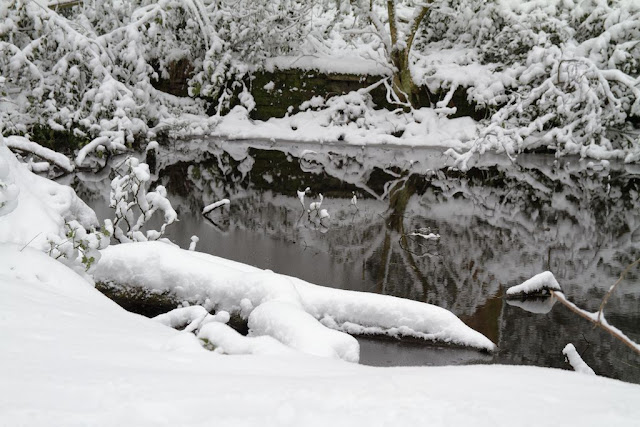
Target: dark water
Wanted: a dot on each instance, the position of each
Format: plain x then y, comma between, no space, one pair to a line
500,223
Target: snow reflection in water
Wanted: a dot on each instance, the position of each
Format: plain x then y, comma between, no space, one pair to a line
500,223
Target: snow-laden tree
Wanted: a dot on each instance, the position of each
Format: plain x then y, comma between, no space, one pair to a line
559,74
92,74
395,23
252,31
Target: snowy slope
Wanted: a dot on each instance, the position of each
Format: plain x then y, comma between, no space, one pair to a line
72,357
42,208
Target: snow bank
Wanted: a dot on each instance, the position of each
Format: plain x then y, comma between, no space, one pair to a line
365,126
42,206
576,361
71,357
195,277
537,284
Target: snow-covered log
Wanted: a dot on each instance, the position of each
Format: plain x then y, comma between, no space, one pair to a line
195,276
538,284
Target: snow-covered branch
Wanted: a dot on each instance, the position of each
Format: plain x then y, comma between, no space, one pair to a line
24,145
546,283
129,196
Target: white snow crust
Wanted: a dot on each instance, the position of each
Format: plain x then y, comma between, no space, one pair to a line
366,126
333,64
215,205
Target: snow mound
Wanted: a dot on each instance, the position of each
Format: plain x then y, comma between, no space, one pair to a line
233,286
43,206
537,284
576,361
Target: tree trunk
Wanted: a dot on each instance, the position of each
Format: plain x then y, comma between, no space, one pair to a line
403,84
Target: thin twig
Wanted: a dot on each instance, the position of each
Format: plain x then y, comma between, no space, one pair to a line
34,238
611,289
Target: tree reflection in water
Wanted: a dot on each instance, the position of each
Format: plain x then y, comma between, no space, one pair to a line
500,223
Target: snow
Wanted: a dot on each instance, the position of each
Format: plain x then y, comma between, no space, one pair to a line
70,357
23,144
576,361
537,284
194,242
556,75
183,317
333,64
43,206
297,329
225,340
422,127
197,276
269,86
9,191
215,205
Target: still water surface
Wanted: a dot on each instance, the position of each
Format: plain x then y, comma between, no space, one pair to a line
499,223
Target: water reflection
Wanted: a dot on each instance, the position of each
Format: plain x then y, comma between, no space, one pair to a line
499,224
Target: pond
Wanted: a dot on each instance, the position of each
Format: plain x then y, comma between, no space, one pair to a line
500,223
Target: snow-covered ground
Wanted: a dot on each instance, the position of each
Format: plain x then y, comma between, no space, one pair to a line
72,357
